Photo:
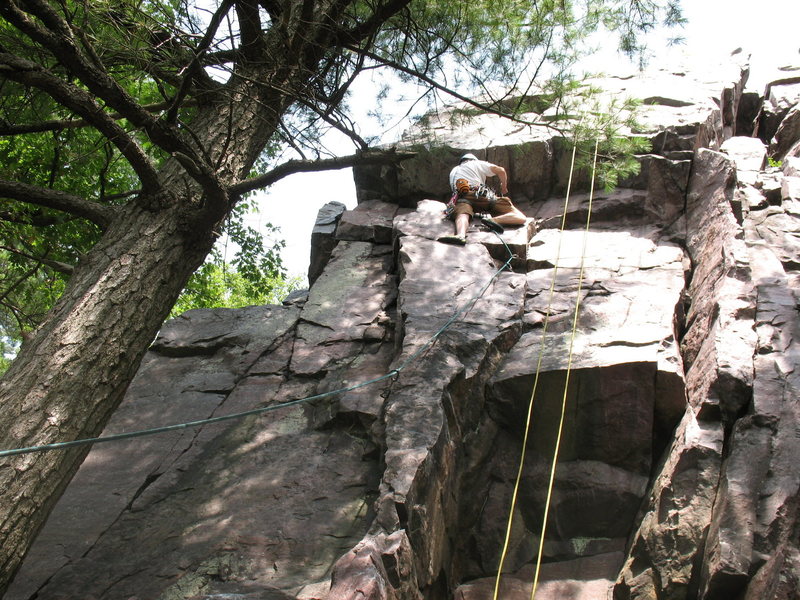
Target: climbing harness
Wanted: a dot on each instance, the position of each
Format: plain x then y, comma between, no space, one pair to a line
479,195
556,449
393,374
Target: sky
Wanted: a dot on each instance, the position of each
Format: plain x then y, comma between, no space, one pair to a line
715,28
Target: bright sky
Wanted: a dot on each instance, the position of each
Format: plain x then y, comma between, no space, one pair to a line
769,33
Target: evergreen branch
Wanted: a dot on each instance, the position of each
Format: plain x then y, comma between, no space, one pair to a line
442,88
348,130
83,103
371,25
7,128
75,205
58,39
373,157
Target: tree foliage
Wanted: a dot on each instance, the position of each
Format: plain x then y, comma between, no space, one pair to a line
46,146
248,272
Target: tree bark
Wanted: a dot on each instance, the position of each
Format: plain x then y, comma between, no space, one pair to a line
70,378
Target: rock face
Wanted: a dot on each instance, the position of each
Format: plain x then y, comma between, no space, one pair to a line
430,470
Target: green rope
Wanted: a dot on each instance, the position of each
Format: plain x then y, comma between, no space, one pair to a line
257,411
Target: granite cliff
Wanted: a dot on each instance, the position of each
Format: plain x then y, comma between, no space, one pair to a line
677,476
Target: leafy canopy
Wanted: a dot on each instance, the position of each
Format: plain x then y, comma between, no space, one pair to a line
45,145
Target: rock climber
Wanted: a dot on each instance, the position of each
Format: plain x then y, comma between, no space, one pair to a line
471,198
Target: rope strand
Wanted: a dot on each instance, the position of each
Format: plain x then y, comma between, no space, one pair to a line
521,465
257,411
566,383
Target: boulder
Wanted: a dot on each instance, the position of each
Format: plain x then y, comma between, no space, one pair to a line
666,188
370,221
323,238
663,556
623,203
787,135
758,510
720,319
624,361
579,579
138,519
769,183
749,156
790,192
780,96
779,229
730,553
422,456
791,166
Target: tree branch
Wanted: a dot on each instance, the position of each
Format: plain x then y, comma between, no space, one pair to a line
58,39
372,157
435,84
75,205
326,116
378,18
84,104
250,29
35,219
56,265
31,272
194,65
7,128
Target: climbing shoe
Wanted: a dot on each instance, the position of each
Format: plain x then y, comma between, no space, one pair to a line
453,239
492,225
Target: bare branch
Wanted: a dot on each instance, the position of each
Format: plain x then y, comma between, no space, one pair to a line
348,130
373,157
250,29
436,85
96,213
195,65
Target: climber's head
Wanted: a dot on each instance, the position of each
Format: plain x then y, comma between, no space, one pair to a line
467,157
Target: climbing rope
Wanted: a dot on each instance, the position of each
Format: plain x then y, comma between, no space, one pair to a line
526,435
566,380
257,411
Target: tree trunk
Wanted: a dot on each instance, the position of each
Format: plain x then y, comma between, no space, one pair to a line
68,380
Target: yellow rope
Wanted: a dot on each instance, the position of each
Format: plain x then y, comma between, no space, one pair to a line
566,382
515,493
